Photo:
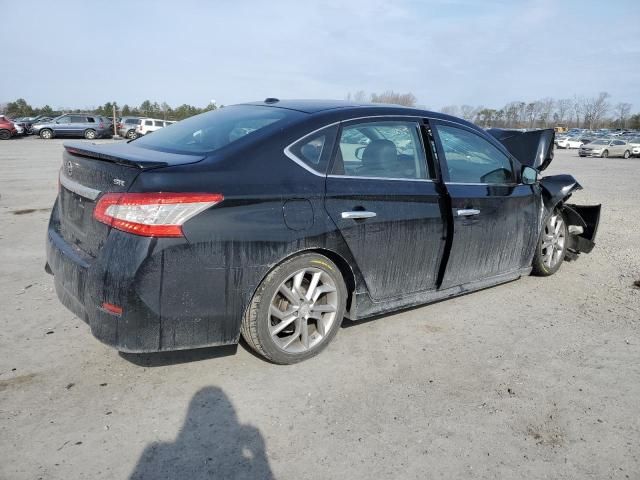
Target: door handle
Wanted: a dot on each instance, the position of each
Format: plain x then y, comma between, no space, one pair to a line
467,212
358,214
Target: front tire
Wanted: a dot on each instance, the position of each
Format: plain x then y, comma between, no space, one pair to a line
297,309
627,154
46,134
552,244
605,154
5,134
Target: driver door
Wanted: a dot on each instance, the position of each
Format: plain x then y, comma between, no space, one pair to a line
494,216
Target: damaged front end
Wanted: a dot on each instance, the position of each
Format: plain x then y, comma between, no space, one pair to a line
535,149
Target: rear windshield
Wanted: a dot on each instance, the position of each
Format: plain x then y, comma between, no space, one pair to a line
213,130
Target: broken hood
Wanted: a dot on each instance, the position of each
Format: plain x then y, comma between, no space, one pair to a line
534,148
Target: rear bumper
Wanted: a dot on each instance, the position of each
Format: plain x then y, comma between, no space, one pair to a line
169,300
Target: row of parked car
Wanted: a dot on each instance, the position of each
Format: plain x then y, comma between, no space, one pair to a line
85,125
601,143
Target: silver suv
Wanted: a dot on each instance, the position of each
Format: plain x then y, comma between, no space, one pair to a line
84,125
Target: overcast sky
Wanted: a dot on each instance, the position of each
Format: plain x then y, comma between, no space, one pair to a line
82,54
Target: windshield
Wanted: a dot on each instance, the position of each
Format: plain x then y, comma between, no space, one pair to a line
210,131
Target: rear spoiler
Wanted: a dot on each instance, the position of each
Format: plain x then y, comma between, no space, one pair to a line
130,155
533,148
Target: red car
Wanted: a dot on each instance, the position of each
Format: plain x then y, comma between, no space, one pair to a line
7,128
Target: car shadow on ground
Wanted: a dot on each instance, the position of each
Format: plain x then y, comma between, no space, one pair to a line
212,444
162,359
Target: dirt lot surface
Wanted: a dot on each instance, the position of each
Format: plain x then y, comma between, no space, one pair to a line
539,378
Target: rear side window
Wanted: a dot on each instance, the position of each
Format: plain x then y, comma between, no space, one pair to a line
159,123
472,159
213,130
91,120
314,150
386,149
78,119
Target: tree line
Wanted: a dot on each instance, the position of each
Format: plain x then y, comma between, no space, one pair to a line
21,108
578,111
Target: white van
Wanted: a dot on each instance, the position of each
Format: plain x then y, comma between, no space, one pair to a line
148,125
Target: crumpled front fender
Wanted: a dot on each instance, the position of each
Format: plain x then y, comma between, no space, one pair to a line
582,220
556,188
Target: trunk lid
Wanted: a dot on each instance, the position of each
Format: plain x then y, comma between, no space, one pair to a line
87,172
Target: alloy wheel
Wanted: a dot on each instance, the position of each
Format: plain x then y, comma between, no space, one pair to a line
553,241
303,310
46,134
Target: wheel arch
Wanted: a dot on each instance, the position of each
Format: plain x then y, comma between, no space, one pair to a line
343,265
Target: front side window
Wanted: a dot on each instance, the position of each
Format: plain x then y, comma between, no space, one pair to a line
473,159
385,149
149,123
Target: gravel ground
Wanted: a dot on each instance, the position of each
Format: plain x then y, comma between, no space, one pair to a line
539,378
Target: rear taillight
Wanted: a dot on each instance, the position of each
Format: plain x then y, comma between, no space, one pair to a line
101,125
160,214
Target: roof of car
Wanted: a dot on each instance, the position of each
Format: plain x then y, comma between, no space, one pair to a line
360,109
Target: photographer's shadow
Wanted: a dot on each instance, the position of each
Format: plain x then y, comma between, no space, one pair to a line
211,445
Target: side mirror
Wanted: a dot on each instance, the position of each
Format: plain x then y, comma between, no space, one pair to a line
529,175
359,152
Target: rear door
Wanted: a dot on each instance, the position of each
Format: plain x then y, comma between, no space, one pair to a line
77,125
381,197
495,217
63,126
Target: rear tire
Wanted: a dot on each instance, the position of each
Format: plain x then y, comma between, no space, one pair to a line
90,134
627,154
297,309
46,134
5,134
132,135
552,245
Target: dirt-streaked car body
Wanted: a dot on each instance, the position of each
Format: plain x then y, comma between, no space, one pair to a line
279,218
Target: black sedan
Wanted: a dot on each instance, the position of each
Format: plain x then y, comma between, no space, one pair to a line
275,220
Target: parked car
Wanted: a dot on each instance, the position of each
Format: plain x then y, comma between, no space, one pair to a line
606,148
148,125
276,219
570,142
7,128
127,127
634,143
84,125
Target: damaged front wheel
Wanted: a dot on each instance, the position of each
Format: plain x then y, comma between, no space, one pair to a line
551,248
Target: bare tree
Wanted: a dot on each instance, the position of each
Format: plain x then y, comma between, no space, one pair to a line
406,99
621,111
600,107
577,105
450,110
563,107
468,112
360,96
546,107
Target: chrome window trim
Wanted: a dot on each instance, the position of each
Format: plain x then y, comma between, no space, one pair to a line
75,187
485,184
299,161
383,178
